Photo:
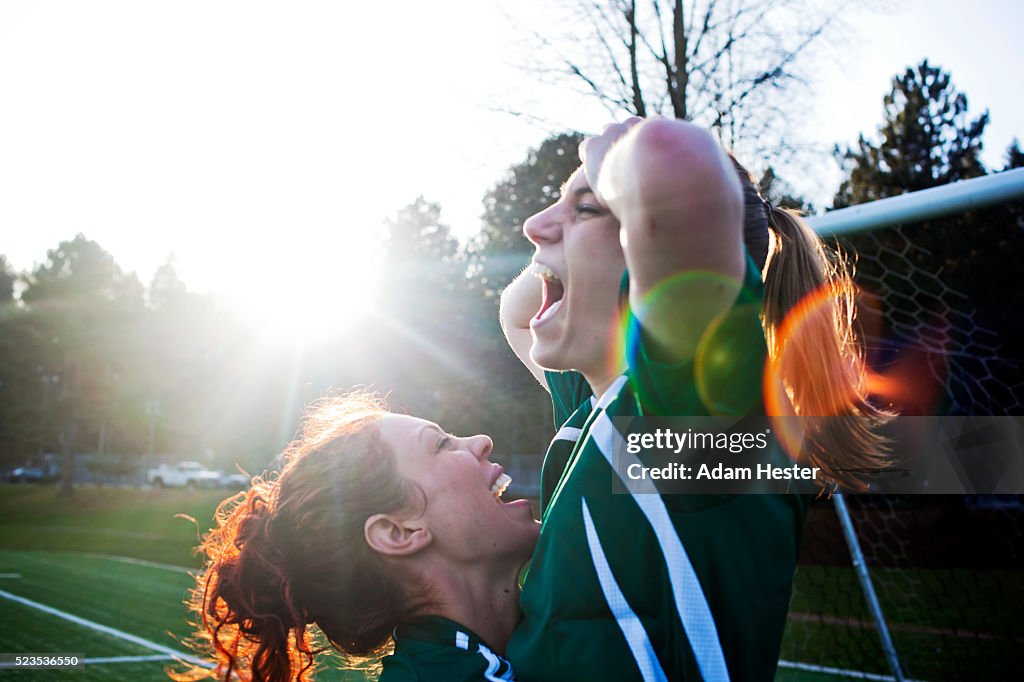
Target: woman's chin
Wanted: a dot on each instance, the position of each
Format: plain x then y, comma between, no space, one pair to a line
546,355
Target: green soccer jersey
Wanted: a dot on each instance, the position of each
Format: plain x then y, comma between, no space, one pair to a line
646,586
435,649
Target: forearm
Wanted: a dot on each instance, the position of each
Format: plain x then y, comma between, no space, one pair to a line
680,206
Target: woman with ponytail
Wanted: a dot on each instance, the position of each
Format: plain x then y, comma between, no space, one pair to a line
731,307
382,533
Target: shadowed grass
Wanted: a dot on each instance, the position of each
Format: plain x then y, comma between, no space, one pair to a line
119,521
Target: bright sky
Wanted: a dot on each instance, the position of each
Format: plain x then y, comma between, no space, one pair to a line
264,143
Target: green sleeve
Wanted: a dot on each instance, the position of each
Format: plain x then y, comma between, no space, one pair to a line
725,375
398,670
568,391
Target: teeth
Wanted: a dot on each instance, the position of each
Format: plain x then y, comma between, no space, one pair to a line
544,272
500,484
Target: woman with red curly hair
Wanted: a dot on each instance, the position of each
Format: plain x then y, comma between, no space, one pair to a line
381,530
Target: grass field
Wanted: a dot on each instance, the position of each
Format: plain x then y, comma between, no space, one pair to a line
63,554
129,522
945,624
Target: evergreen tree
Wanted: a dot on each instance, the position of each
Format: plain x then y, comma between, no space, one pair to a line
7,280
780,193
166,287
24,420
86,307
423,339
416,236
928,139
1014,156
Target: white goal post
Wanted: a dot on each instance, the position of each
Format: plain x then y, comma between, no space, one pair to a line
955,197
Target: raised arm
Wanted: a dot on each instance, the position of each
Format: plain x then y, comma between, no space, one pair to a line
680,206
520,301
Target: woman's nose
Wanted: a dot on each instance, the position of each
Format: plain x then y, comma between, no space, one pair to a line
543,227
481,446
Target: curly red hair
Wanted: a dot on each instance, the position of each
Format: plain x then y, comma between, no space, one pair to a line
290,553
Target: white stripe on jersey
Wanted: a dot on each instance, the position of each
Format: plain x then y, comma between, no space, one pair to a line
632,628
692,605
570,433
462,640
494,662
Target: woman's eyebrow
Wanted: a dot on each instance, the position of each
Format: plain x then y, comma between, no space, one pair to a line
577,193
564,188
429,430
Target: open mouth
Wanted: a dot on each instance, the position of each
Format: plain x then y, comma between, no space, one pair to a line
554,291
500,484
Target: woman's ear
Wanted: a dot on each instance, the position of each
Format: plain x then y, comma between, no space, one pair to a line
393,536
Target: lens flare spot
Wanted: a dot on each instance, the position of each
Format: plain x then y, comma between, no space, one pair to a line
729,360
728,353
913,383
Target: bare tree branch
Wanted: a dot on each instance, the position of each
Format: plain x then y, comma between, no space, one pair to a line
638,97
727,64
611,53
669,74
705,29
779,72
682,71
734,35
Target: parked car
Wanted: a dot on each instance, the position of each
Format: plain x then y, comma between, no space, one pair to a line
26,475
235,481
183,475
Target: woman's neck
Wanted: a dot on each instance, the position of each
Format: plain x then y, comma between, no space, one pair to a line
483,601
603,374
599,383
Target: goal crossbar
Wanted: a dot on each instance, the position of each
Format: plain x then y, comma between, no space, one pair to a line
934,202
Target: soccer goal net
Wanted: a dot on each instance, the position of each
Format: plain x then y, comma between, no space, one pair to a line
940,311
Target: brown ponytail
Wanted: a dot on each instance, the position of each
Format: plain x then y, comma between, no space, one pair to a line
816,364
814,353
290,553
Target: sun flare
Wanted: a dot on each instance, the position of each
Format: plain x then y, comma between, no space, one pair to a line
303,292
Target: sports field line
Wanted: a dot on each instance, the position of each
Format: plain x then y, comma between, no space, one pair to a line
137,562
839,672
903,627
114,557
152,646
127,659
